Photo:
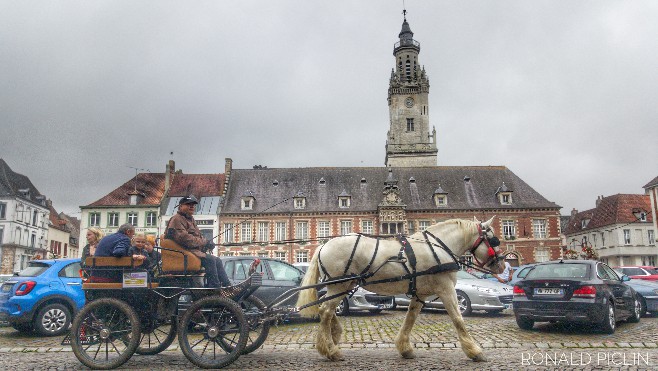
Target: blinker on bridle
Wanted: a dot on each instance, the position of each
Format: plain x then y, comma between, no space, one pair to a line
490,243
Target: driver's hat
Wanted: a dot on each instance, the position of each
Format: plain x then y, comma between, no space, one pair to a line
188,200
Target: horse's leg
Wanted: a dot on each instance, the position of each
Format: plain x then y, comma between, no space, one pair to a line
336,329
325,340
473,351
402,340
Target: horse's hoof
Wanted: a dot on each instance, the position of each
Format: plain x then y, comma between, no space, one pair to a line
409,354
480,358
338,356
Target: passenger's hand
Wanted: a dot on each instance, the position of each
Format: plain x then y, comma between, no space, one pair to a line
139,257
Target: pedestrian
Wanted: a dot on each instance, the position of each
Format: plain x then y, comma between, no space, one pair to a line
506,276
183,230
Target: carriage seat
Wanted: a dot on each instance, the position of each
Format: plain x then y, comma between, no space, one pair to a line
177,260
111,261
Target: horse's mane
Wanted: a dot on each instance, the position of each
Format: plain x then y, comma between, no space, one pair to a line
467,226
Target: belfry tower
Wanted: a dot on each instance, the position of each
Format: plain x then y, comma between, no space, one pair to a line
409,141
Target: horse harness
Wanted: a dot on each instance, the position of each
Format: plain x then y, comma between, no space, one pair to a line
411,274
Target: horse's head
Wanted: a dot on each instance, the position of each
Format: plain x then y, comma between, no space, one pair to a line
485,249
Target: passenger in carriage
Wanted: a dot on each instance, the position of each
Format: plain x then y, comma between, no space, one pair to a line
182,229
138,250
117,245
154,255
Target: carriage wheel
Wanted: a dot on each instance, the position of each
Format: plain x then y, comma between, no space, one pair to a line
157,337
253,309
105,333
213,332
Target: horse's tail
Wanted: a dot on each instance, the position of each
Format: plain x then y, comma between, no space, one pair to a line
310,295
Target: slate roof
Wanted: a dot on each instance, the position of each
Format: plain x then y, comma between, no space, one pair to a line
652,183
151,185
366,184
11,182
612,210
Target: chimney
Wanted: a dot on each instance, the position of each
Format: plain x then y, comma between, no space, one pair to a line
169,175
574,212
228,166
598,200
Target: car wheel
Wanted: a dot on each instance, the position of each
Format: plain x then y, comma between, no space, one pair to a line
636,311
524,323
643,304
23,327
464,303
52,320
343,308
609,321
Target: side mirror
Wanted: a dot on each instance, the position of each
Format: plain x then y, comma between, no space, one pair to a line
625,278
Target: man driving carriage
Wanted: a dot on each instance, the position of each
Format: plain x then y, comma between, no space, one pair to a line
182,229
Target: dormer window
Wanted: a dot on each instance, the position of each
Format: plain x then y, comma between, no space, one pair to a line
440,197
247,201
344,200
25,192
584,223
640,215
299,201
504,195
322,181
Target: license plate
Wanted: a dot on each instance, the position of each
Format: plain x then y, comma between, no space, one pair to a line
549,291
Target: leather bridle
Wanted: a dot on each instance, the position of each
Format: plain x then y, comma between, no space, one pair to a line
490,242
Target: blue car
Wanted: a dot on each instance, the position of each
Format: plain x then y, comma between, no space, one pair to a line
43,297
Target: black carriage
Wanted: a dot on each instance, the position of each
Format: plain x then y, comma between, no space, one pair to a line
131,309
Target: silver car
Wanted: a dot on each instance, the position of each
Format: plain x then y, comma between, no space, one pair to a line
361,300
473,293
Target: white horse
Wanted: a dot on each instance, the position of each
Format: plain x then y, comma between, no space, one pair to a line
353,254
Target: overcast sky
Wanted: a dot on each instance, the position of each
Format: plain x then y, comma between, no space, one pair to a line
563,93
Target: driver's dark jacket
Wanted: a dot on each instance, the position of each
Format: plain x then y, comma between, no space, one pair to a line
183,230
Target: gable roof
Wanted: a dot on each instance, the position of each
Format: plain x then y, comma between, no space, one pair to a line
11,182
150,185
322,185
611,210
199,185
652,183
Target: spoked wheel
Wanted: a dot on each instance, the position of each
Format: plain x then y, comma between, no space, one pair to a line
105,333
258,329
213,332
157,337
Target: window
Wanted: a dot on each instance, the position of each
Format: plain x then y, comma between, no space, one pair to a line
113,219
263,232
602,239
392,228
300,202
345,227
344,202
280,231
228,233
627,236
3,210
94,219
301,256
441,200
284,272
245,232
263,254
247,203
539,228
323,228
583,223
301,231
643,217
132,219
207,234
410,124
411,225
366,226
70,271
35,216
33,240
509,229
2,232
541,255
651,237
423,225
505,198
280,255
150,219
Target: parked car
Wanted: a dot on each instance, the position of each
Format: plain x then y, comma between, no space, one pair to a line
279,276
647,292
302,266
584,291
43,297
640,272
473,293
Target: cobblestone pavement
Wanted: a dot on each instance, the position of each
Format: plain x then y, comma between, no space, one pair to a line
368,344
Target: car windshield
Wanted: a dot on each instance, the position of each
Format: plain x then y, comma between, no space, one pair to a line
651,270
559,270
466,275
33,269
524,272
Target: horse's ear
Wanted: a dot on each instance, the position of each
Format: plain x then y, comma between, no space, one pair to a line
488,223
475,219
